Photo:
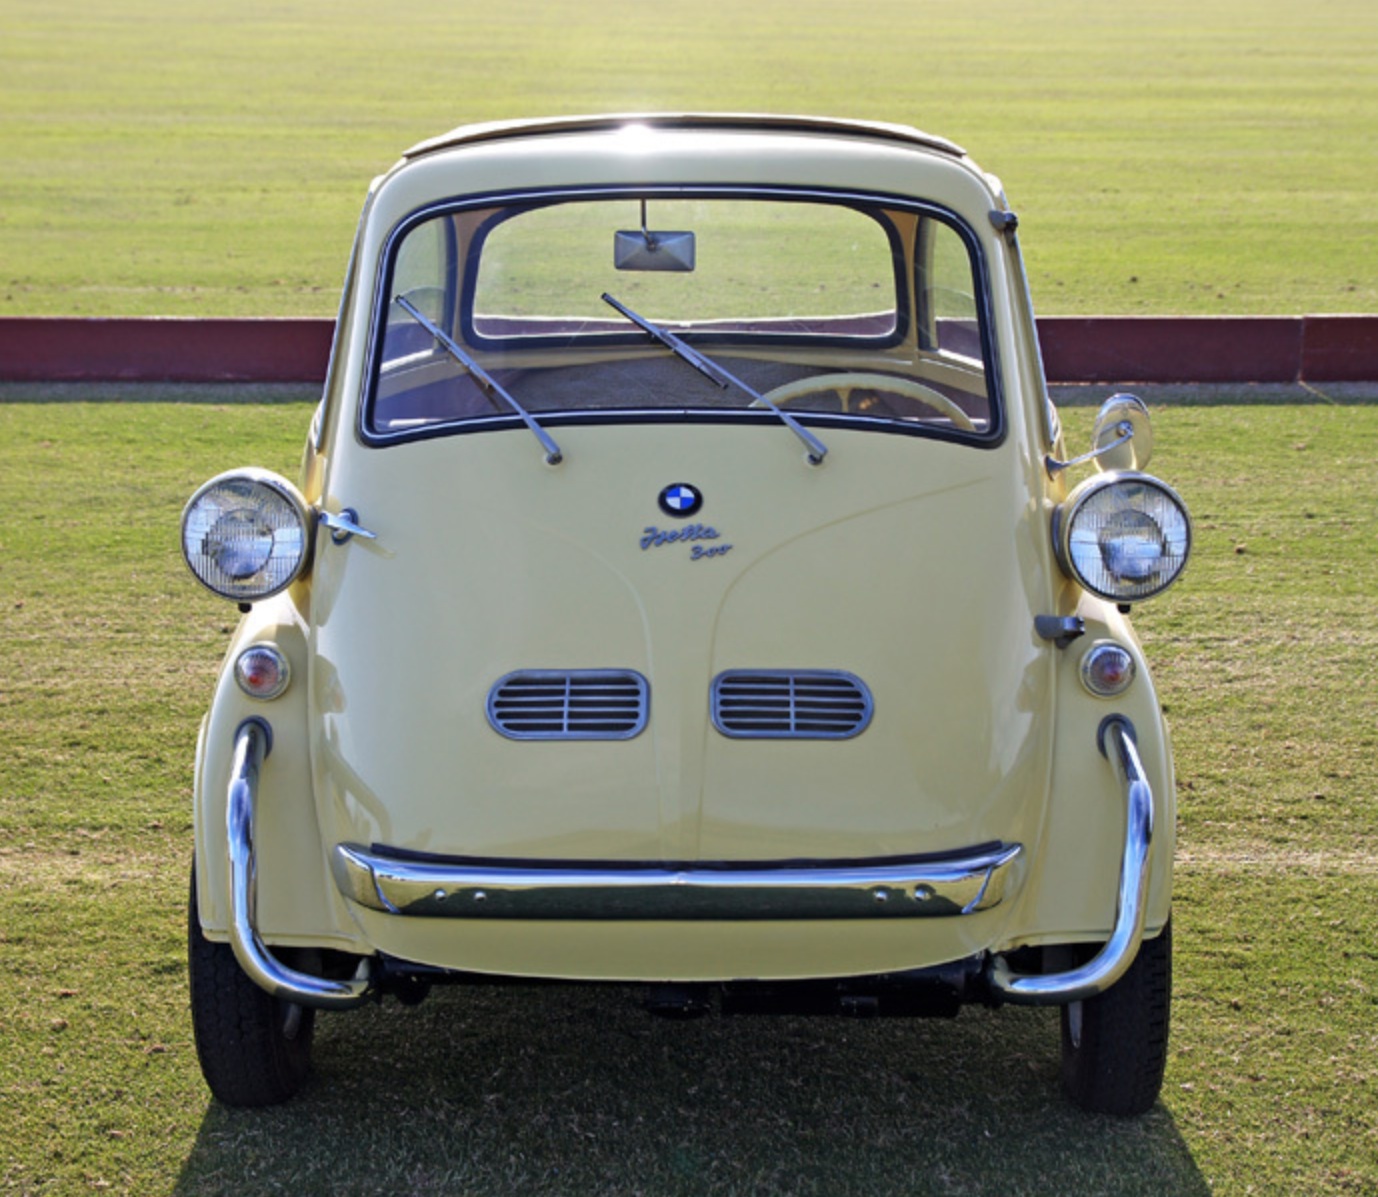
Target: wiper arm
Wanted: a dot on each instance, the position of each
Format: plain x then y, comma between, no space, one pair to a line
486,381
711,370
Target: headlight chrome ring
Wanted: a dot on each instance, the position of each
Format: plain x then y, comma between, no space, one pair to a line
246,534
1124,536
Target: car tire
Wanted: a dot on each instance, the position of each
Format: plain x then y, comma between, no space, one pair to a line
254,1049
1114,1046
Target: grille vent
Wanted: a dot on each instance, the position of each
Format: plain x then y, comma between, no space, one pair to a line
790,704
578,704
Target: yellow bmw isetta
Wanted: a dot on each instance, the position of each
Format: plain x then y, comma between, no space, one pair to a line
687,585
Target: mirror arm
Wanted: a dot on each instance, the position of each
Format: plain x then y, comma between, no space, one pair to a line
1055,467
652,241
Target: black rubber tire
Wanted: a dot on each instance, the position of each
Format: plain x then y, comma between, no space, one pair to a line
1115,1064
255,1049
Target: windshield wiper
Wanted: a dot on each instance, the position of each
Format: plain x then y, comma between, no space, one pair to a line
715,373
486,381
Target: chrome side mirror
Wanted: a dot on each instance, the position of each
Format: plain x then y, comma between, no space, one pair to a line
1121,438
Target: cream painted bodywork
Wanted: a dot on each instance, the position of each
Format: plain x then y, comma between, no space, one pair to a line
917,564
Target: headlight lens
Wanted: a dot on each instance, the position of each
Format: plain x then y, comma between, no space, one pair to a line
1123,536
245,534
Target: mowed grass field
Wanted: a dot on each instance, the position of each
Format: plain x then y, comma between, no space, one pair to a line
1265,658
1166,156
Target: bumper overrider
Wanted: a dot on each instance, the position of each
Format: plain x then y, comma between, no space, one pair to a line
1115,738
412,886
252,742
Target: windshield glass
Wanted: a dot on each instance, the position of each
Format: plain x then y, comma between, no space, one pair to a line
752,260
865,314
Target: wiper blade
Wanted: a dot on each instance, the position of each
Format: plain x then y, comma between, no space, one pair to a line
711,370
490,385
676,345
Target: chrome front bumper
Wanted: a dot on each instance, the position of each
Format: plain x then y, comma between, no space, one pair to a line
949,886
922,888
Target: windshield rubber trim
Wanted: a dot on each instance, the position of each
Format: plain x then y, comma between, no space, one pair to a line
992,438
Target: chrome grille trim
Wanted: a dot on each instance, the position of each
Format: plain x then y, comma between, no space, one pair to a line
569,704
790,704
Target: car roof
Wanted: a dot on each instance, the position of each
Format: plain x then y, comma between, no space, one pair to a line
727,122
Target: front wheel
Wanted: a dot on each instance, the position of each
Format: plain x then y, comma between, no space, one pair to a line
1114,1046
255,1049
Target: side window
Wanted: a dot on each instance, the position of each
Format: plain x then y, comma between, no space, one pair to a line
424,271
948,320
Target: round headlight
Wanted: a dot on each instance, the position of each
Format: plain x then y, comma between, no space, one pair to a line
1124,536
245,534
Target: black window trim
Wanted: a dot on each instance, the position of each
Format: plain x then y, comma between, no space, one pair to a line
864,200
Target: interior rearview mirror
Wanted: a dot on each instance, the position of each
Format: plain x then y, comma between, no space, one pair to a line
648,249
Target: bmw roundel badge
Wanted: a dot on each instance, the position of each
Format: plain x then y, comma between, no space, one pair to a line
680,500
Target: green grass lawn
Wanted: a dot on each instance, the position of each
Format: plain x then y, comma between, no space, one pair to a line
1264,654
1166,156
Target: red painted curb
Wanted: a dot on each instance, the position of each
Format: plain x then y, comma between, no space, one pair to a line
163,349
1109,349
1133,349
1340,349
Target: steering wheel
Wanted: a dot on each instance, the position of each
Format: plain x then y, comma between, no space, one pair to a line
844,384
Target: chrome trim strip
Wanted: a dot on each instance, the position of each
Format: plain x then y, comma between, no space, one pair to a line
1116,741
912,889
252,743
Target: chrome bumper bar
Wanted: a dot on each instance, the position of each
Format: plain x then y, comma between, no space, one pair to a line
477,890
1116,740
252,743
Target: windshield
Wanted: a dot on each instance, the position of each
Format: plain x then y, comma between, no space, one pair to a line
838,310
